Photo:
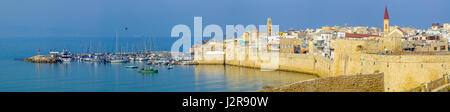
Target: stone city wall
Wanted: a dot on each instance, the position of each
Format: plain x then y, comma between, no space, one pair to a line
401,72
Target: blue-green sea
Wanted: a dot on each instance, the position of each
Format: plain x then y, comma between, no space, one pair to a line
19,76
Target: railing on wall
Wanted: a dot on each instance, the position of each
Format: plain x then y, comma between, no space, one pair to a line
428,87
349,83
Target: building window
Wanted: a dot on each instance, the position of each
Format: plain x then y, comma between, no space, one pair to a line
442,47
435,48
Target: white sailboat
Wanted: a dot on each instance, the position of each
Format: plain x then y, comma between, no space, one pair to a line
115,58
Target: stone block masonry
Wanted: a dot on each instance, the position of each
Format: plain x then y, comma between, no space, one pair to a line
343,83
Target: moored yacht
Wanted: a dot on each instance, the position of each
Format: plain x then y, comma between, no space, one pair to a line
142,59
66,56
116,59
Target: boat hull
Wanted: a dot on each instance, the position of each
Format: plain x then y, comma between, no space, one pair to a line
118,61
148,71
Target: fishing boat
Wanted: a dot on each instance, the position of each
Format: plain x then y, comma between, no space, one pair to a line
151,70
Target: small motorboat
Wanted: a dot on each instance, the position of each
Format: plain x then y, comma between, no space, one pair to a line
131,67
170,67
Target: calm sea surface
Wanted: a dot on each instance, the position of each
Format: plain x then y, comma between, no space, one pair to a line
19,76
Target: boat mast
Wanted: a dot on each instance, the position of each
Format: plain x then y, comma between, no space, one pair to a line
117,47
89,47
145,44
150,44
99,49
126,48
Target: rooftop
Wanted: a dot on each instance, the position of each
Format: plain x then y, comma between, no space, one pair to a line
359,35
386,15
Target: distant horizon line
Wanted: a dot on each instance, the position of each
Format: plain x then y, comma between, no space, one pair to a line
168,35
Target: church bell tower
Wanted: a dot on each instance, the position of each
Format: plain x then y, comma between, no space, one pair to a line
386,22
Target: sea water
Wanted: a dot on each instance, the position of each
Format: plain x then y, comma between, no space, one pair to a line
19,76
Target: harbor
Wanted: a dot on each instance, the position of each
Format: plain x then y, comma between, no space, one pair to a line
145,62
396,57
90,76
209,55
149,58
86,75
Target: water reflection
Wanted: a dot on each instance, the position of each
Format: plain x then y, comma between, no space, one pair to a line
245,79
98,77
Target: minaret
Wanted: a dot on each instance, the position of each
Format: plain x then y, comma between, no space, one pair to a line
386,22
269,27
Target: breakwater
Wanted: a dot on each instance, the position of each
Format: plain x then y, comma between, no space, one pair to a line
42,59
162,57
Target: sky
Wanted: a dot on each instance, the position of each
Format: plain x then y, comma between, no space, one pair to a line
102,18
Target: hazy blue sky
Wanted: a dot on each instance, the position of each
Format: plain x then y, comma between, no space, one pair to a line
101,18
